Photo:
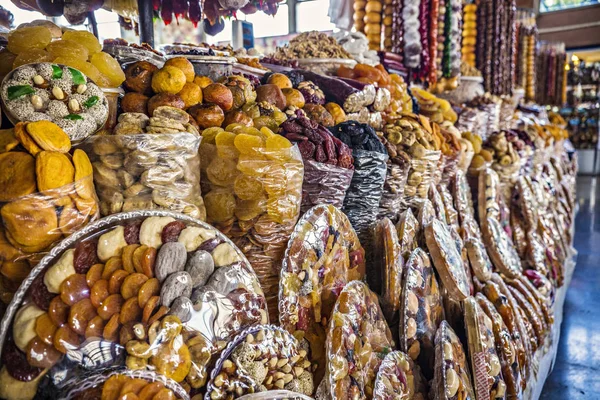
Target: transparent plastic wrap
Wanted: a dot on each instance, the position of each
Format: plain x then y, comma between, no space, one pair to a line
252,189
492,111
421,175
473,120
450,167
264,357
537,299
385,278
322,256
364,194
447,260
407,229
46,193
421,311
438,203
123,383
398,378
146,172
357,341
506,348
275,395
147,289
532,313
324,184
452,379
488,382
395,182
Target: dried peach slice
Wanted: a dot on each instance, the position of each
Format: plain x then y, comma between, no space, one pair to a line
94,274
131,311
8,141
74,289
80,315
172,362
150,288
132,285
138,255
26,140
31,223
65,338
113,264
83,175
150,390
116,281
49,136
58,311
164,394
53,170
112,387
149,308
162,311
110,306
127,257
45,328
95,327
99,292
134,386
148,262
111,329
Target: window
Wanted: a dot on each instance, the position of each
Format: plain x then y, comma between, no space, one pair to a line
312,15
557,5
268,25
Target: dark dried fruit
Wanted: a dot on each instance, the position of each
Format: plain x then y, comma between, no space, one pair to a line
39,293
16,363
132,232
307,149
171,231
85,256
210,244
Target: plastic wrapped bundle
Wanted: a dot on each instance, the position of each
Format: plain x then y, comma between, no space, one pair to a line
398,166
252,192
398,378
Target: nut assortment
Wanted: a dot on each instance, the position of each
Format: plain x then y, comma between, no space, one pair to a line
357,341
263,358
323,255
311,45
386,278
398,378
54,92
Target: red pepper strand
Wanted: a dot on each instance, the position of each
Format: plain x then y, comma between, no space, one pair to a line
433,34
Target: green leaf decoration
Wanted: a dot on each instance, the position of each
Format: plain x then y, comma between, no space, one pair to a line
91,101
78,77
73,117
14,92
57,72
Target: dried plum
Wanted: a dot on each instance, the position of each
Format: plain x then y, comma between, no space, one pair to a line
132,232
85,256
16,363
39,293
171,231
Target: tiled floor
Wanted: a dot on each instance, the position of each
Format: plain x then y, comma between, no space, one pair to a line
576,373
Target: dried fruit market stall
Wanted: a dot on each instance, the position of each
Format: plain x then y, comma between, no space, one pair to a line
186,225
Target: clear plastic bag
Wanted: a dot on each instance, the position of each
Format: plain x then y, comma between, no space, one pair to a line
146,172
393,189
408,229
275,395
421,175
450,167
506,348
121,382
421,311
452,378
364,194
322,256
324,184
264,357
488,382
148,289
253,195
385,278
357,342
439,169
398,378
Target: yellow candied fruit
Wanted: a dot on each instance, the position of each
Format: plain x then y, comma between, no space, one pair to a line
275,179
225,145
278,142
282,208
109,67
221,171
253,165
32,56
250,209
220,205
234,127
85,38
267,132
247,144
247,187
68,48
29,37
86,68
209,134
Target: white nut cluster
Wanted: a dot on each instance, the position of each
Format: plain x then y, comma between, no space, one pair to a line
61,270
151,230
111,243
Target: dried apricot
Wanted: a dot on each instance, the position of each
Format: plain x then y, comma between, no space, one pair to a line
111,329
110,306
29,37
41,354
247,144
94,274
148,289
150,390
221,171
58,311
209,134
126,333
53,170
112,387
74,288
134,385
162,311
99,292
45,328
165,394
138,255
220,205
113,264
252,165
95,327
80,315
148,260
65,339
132,285
68,48
109,67
85,256
247,188
173,362
149,308
131,311
283,208
129,396
116,280
127,257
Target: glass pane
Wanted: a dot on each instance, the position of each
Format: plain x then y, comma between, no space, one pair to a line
312,15
267,25
556,5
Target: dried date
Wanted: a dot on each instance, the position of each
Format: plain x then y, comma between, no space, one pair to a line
39,293
171,231
16,363
132,232
85,256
